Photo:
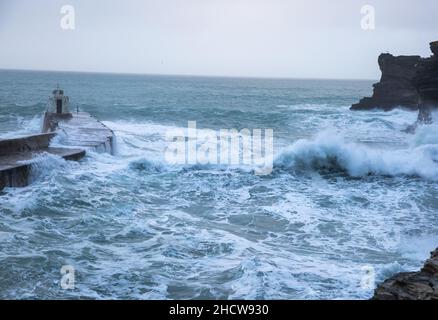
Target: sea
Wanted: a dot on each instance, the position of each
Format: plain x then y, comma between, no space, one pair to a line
351,200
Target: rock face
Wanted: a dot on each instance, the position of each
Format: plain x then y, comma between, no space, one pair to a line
426,82
422,285
396,87
407,81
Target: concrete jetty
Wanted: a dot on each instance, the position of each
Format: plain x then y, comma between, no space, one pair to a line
79,132
16,157
78,129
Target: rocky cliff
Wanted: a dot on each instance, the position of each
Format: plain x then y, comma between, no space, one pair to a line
406,81
422,285
426,83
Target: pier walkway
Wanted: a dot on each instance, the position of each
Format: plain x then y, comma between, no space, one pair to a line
17,155
79,133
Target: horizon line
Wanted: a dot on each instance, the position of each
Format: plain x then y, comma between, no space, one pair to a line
186,75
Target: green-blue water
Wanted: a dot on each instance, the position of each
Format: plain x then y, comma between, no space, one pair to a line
349,190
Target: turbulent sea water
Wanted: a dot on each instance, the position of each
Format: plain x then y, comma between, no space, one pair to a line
349,190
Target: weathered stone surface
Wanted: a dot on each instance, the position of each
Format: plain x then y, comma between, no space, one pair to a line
407,81
396,87
16,156
76,130
81,130
426,82
24,144
434,47
422,285
51,120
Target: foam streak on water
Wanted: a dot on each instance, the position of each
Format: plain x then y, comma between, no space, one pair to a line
348,190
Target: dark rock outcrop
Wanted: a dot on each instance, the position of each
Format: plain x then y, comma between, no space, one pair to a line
396,87
422,285
426,82
407,81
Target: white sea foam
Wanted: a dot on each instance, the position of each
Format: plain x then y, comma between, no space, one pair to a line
330,150
44,164
425,135
139,139
135,227
25,127
144,145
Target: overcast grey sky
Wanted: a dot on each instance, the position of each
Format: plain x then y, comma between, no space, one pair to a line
266,38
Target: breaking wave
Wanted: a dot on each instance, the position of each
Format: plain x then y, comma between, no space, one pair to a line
135,226
44,165
331,151
19,126
145,165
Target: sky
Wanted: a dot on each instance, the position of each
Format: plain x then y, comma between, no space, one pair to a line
247,38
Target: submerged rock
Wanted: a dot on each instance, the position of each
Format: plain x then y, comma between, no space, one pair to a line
407,81
422,285
424,117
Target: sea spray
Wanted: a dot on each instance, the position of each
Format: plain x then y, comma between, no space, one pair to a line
200,232
425,135
46,165
330,150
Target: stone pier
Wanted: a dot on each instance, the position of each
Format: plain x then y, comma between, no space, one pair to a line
81,130
16,156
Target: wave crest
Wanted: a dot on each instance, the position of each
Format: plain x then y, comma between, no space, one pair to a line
331,151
